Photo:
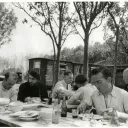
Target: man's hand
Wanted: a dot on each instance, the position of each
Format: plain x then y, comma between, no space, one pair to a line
27,99
82,107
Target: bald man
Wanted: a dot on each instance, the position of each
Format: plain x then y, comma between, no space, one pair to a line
6,87
125,78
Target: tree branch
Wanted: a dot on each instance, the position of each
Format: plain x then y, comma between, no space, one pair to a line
96,26
78,12
50,24
84,7
68,22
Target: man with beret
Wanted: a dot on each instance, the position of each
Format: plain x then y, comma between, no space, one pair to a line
32,88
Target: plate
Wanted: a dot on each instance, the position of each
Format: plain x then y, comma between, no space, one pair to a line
5,112
25,114
16,114
88,116
28,119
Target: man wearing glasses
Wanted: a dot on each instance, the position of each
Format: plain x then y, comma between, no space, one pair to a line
6,87
32,88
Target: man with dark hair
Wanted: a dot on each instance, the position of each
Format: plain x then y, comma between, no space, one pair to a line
32,88
84,91
6,87
107,95
63,87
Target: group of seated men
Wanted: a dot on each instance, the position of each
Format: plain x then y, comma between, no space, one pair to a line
101,94
32,88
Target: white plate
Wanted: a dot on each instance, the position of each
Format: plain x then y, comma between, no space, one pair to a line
27,119
95,117
25,114
5,112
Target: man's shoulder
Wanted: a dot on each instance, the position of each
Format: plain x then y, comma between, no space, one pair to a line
119,90
60,82
95,93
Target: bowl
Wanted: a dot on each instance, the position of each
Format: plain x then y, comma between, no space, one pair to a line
4,101
16,106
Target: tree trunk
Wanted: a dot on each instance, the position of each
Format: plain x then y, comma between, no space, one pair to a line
85,65
54,63
57,64
116,54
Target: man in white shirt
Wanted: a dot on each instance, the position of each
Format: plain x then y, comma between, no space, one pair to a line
84,92
6,86
63,87
107,96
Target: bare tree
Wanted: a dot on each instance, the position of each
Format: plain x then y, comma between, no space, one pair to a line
116,23
54,20
90,15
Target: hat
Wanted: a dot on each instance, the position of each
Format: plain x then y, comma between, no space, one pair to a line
35,74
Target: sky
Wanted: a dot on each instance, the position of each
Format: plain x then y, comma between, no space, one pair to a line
26,39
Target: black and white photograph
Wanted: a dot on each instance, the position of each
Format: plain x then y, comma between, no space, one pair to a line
63,63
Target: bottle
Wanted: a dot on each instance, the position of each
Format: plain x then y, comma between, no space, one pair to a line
50,98
74,113
64,108
114,118
56,112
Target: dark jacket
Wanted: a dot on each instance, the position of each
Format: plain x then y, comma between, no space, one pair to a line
36,90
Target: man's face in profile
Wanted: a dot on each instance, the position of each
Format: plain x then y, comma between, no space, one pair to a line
11,80
69,78
32,80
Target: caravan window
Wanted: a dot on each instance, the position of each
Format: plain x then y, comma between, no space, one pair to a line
37,64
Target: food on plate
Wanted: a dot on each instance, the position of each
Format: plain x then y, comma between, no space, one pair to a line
29,114
34,100
25,114
89,116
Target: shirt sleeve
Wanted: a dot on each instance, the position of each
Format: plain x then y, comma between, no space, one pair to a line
125,101
75,99
55,90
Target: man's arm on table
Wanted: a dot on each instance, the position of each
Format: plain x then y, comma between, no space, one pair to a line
76,98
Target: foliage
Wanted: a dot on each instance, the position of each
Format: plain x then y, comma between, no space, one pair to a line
90,15
74,54
97,52
54,20
7,23
120,19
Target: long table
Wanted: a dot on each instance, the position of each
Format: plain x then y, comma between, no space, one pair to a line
64,122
